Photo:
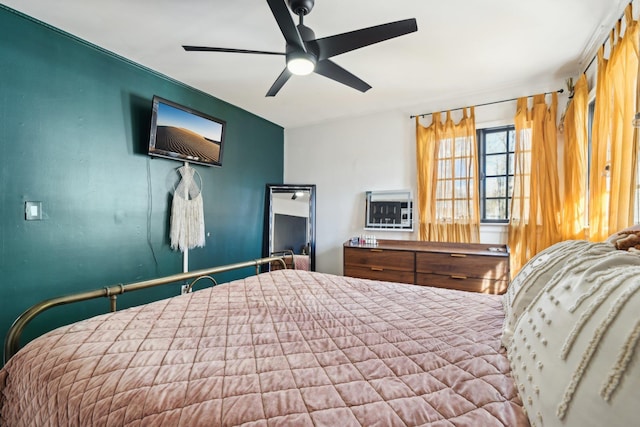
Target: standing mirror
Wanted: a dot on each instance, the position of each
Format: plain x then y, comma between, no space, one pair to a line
289,225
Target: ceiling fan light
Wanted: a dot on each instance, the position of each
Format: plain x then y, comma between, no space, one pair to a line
301,64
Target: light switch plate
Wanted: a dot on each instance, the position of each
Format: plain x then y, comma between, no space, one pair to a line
32,211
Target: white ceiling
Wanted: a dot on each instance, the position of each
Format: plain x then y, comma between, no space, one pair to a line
465,51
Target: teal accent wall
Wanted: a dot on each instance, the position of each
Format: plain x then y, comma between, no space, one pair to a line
74,127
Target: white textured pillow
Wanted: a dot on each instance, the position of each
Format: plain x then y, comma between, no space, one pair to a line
536,273
574,354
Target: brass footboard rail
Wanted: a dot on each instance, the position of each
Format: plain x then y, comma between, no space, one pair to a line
12,340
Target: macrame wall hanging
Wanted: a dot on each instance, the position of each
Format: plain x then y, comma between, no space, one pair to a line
187,213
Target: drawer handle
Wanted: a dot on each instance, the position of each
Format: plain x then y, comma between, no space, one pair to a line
459,277
377,269
375,250
459,255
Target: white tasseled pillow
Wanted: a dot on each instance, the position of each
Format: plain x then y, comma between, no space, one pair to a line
536,273
574,354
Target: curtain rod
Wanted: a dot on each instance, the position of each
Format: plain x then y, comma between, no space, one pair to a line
482,105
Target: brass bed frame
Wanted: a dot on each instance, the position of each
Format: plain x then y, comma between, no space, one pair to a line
12,340
284,254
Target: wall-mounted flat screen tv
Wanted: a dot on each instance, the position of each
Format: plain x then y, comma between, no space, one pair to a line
181,133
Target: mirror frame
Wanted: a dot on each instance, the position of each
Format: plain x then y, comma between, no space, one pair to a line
269,223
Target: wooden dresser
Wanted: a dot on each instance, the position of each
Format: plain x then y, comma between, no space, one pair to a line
475,267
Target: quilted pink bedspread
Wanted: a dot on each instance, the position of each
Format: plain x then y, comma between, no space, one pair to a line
288,347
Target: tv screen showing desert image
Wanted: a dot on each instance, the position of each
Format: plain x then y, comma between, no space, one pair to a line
180,133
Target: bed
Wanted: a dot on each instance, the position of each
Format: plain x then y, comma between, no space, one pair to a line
294,347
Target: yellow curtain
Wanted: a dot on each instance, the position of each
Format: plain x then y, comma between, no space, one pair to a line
447,166
612,177
598,193
535,209
575,163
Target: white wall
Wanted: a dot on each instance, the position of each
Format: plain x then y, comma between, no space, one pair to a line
344,159
348,157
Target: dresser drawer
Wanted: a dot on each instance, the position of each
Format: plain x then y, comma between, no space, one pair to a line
379,273
458,264
475,267
380,258
462,283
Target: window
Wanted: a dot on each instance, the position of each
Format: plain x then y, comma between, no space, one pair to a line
454,178
496,147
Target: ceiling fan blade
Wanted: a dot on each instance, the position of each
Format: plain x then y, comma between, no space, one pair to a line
335,72
224,49
345,42
280,81
286,24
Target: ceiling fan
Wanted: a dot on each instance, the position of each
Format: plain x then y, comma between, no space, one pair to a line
306,54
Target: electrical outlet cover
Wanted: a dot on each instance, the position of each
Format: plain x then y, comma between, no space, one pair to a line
32,211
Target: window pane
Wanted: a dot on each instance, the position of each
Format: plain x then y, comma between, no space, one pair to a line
496,187
512,140
461,189
440,190
461,167
496,165
496,142
462,209
445,148
462,145
495,209
444,169
444,189
512,159
443,209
